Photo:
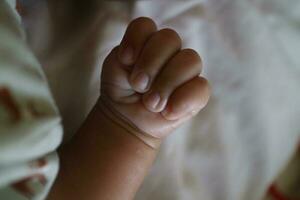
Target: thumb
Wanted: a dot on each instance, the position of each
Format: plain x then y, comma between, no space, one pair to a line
114,80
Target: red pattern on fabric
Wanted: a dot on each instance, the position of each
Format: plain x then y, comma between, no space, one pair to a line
42,162
20,8
23,187
33,110
275,194
7,100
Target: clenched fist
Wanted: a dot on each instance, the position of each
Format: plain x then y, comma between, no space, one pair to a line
149,85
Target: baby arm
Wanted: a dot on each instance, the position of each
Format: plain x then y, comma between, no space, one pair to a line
149,87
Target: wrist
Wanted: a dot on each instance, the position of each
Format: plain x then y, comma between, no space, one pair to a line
102,159
105,108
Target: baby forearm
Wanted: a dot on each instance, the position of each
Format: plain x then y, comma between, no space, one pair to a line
103,161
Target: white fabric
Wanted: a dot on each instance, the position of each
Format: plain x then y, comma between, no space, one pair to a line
30,128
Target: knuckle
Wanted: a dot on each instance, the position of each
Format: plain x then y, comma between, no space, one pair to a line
192,57
143,23
170,36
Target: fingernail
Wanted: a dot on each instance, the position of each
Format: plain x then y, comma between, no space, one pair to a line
127,56
194,112
141,81
153,100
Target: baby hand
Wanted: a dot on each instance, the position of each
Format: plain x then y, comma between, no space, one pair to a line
149,84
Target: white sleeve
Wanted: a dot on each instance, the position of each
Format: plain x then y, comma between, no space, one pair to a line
30,127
